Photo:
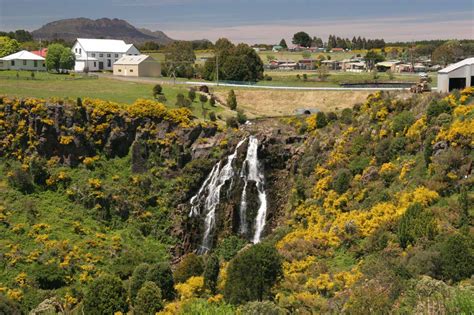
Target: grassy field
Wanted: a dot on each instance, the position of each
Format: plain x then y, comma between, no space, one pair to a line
46,85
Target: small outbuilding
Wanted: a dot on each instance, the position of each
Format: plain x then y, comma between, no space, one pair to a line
137,66
23,60
456,76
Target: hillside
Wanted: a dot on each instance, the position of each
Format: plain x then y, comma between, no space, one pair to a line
107,207
71,29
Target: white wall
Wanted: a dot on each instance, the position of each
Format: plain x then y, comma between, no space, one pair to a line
465,71
23,65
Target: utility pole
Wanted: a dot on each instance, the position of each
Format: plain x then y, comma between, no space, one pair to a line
217,68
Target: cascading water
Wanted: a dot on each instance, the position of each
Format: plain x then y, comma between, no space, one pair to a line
251,171
212,189
209,195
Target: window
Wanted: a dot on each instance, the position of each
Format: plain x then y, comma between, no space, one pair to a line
92,55
116,55
120,70
109,63
95,64
101,55
24,62
131,70
13,62
108,55
35,63
80,50
1,63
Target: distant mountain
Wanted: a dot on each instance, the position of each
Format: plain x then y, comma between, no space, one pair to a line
70,29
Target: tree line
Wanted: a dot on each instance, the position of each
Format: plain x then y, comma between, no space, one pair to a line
305,40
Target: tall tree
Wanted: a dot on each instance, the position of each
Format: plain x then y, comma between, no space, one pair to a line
8,46
179,59
59,58
283,43
447,53
302,39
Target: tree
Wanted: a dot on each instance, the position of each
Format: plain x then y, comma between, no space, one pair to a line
8,46
59,57
232,100
211,273
192,94
323,72
157,90
414,224
162,275
139,276
105,295
179,60
302,39
252,274
148,299
371,58
456,257
203,100
191,265
283,44
67,59
447,53
306,54
321,120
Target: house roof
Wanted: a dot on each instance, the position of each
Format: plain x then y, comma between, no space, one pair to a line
133,60
43,52
388,63
104,45
450,68
22,55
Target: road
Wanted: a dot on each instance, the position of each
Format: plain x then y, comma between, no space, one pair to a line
292,88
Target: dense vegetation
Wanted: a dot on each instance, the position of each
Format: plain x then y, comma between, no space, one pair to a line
379,219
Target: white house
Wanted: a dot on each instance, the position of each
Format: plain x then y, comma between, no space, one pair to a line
23,60
100,54
137,66
456,76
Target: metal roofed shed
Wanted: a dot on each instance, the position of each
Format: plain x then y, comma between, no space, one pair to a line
23,60
137,66
456,76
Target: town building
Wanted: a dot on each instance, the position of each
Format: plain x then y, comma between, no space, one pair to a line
137,66
353,65
23,60
100,54
331,64
456,76
390,65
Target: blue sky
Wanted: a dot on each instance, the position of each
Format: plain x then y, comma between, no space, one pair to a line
260,20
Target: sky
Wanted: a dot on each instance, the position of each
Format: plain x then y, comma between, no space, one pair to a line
260,21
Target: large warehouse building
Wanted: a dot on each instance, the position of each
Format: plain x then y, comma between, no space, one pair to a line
456,76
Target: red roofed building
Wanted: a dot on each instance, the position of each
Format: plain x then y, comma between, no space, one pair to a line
43,52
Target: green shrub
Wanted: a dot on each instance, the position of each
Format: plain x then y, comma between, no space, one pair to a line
21,180
382,151
332,116
8,307
414,224
148,299
402,121
342,181
202,307
232,122
49,277
189,266
162,275
436,108
211,272
157,90
241,117
232,100
162,99
212,116
230,246
252,273
346,116
138,278
358,164
192,94
105,295
321,120
397,147
456,255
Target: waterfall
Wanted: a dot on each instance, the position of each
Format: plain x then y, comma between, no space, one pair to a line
208,196
251,171
211,188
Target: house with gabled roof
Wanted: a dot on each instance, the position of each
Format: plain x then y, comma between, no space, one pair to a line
100,54
23,60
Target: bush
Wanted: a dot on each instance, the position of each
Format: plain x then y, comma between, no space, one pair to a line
414,224
105,295
212,101
162,275
49,277
211,273
261,308
148,299
397,147
203,99
241,117
358,164
229,247
382,151
232,100
189,266
436,108
180,100
21,180
321,120
157,90
192,94
456,257
8,307
232,122
138,278
342,181
332,116
162,99
346,116
252,274
402,121
212,116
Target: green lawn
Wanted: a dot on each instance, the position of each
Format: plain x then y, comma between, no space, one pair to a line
47,85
